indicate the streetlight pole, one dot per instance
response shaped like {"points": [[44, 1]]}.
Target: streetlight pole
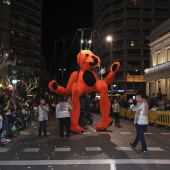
{"points": [[110, 39], [62, 73]]}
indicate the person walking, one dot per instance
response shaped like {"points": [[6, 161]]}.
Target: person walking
{"points": [[43, 111], [63, 114], [116, 111], [140, 120]]}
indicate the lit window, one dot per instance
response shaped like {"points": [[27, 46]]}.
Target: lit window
{"points": [[12, 33], [8, 2], [134, 2], [132, 43], [21, 35]]}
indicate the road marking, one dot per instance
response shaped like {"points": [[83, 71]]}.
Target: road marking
{"points": [[111, 162], [93, 148], [105, 133], [165, 133], [147, 133], [36, 133], [31, 149], [92, 129], [125, 133], [62, 149], [123, 148], [4, 149], [154, 149], [130, 149], [86, 133], [86, 148]]}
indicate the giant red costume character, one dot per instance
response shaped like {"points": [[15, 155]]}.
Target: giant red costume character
{"points": [[85, 81]]}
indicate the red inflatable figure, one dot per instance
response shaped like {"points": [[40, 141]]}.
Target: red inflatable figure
{"points": [[85, 81]]}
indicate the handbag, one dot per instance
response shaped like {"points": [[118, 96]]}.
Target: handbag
{"points": [[13, 128]]}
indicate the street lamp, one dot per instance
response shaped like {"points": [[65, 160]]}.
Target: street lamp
{"points": [[14, 82], [62, 73], [110, 39], [134, 80]]}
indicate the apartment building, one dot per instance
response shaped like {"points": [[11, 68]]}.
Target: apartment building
{"points": [[128, 22], [20, 35]]}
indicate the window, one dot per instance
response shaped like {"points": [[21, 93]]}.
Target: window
{"points": [[134, 2], [132, 43], [158, 58], [135, 43], [8, 2], [168, 54]]}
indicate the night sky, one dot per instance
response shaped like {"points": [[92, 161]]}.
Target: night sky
{"points": [[61, 23]]}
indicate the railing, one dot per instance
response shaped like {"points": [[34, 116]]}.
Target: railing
{"points": [[156, 117]]}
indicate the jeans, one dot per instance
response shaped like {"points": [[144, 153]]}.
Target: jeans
{"points": [[116, 115], [42, 127], [65, 122], [140, 129]]}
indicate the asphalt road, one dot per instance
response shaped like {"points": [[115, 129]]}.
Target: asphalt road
{"points": [[91, 150]]}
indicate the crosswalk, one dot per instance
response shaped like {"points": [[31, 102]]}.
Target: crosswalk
{"points": [[87, 149], [72, 157]]}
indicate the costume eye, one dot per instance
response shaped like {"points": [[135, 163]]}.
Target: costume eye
{"points": [[86, 55]]}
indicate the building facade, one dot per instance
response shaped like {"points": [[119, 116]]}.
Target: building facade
{"points": [[129, 22], [157, 76], [20, 35]]}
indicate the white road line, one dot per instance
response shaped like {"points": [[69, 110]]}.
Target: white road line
{"points": [[31, 149], [123, 148], [4, 149], [62, 149], [105, 133], [93, 148], [92, 129], [154, 149], [125, 133], [86, 133], [147, 133], [165, 133], [119, 148], [112, 162]]}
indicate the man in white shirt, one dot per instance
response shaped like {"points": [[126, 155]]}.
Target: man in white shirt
{"points": [[140, 120], [63, 114], [43, 111]]}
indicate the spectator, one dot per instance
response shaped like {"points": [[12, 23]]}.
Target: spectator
{"points": [[63, 114], [43, 117], [116, 111]]}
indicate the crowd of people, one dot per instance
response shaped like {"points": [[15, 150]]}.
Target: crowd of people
{"points": [[16, 114]]}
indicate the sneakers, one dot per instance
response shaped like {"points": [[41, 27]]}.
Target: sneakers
{"points": [[143, 150], [132, 146], [7, 140]]}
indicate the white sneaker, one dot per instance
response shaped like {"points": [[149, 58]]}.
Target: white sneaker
{"points": [[7, 140]]}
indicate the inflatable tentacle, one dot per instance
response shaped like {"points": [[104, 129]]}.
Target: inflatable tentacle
{"points": [[113, 69]]}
